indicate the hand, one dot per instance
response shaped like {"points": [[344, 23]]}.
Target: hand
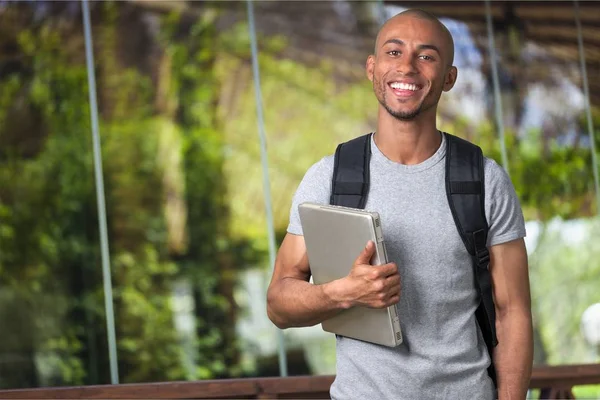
{"points": [[374, 286]]}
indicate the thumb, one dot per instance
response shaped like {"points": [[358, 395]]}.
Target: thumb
{"points": [[365, 256]]}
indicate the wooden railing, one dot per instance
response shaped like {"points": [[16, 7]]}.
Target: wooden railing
{"points": [[554, 382]]}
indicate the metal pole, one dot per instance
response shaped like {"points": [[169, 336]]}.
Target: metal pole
{"points": [[106, 276], [496, 81], [588, 107], [265, 169]]}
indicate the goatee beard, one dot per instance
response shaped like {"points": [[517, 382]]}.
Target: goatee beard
{"points": [[399, 115], [402, 115]]}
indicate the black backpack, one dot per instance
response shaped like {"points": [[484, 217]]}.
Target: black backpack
{"points": [[465, 191]]}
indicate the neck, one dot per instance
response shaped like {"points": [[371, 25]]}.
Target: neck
{"points": [[407, 142]]}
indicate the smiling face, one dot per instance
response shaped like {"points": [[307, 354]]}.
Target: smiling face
{"points": [[412, 65]]}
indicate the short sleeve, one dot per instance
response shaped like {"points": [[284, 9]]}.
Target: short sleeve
{"points": [[315, 187], [503, 210]]}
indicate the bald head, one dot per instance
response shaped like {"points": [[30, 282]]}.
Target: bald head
{"points": [[423, 15]]}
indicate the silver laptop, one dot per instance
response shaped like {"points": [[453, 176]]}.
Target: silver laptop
{"points": [[334, 237]]}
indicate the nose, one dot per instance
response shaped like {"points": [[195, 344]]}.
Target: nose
{"points": [[406, 65]]}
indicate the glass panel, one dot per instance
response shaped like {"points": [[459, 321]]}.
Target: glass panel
{"points": [[545, 135], [184, 190], [51, 304], [161, 69], [554, 176], [164, 70], [315, 95], [548, 150]]}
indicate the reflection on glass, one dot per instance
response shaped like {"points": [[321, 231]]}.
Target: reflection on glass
{"points": [[548, 151], [50, 311], [314, 103], [174, 261], [184, 194]]}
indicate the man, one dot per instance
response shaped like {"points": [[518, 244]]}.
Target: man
{"points": [[431, 278]]}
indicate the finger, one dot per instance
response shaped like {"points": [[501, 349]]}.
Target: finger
{"points": [[395, 299], [394, 291], [393, 281], [389, 301], [365, 256], [387, 270]]}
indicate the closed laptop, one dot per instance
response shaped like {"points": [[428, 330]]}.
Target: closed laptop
{"points": [[334, 238]]}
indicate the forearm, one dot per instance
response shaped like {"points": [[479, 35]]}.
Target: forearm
{"points": [[513, 356], [297, 303]]}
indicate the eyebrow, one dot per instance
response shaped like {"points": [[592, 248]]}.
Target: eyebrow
{"points": [[420, 47]]}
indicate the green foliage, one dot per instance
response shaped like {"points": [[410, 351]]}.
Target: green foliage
{"points": [[557, 182], [43, 210], [184, 194], [146, 344], [164, 196], [213, 256], [565, 272], [305, 115], [587, 392]]}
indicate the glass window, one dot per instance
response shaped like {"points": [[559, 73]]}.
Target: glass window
{"points": [[165, 72], [51, 305], [183, 174]]}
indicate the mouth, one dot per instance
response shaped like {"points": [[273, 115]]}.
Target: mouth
{"points": [[404, 89]]}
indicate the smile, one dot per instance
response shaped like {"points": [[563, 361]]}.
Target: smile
{"points": [[403, 89], [405, 86]]}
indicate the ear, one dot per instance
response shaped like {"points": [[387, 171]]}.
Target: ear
{"points": [[450, 80], [370, 67]]}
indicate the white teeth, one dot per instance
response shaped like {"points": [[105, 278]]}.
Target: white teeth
{"points": [[403, 86]]}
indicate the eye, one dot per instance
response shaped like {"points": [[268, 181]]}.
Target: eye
{"points": [[426, 57], [393, 53]]}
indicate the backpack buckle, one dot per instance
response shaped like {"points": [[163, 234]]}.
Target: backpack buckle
{"points": [[483, 258], [482, 254]]}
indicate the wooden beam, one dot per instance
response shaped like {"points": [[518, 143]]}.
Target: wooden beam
{"points": [[539, 10], [549, 32], [297, 387], [535, 29], [459, 10], [559, 49], [230, 388], [550, 12], [551, 379], [565, 375]]}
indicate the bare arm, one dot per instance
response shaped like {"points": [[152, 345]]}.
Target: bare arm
{"points": [[293, 302], [513, 356], [291, 295]]}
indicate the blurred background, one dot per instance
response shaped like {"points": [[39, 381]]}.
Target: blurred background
{"points": [[190, 226]]}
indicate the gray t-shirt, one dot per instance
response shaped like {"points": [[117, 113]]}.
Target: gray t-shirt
{"points": [[443, 355]]}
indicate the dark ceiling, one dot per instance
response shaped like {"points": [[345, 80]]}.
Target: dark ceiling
{"points": [[549, 24], [318, 29]]}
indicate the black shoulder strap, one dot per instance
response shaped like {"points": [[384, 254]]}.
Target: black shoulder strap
{"points": [[465, 191], [350, 184]]}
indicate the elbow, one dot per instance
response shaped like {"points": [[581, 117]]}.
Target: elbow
{"points": [[278, 322], [507, 312], [274, 316], [511, 318]]}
